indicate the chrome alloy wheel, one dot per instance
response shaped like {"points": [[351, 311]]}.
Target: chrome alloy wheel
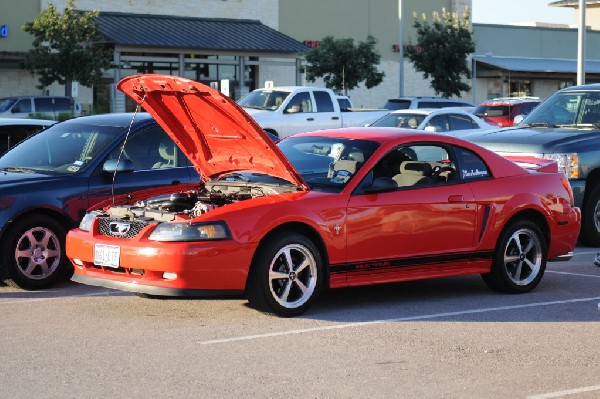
{"points": [[523, 257], [38, 253], [292, 276]]}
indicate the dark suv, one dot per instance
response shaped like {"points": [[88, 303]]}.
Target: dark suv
{"points": [[502, 111], [49, 181]]}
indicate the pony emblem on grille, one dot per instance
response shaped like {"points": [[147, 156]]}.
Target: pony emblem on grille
{"points": [[119, 228]]}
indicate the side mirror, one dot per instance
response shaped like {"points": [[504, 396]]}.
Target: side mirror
{"points": [[111, 166], [430, 129], [518, 119], [381, 185]]}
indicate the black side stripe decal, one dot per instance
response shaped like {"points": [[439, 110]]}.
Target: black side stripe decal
{"points": [[384, 264], [484, 221]]}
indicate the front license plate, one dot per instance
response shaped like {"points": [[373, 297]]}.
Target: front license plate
{"points": [[107, 255]]}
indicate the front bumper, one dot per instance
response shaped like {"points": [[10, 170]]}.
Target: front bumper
{"points": [[163, 268]]}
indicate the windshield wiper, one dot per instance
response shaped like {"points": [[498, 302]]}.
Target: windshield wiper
{"points": [[17, 170], [584, 125], [538, 124]]}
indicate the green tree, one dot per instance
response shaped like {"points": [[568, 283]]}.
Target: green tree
{"points": [[441, 51], [63, 47], [344, 65]]}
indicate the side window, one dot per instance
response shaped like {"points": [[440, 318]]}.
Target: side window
{"points": [[151, 149], [439, 123], [23, 105], [430, 104], [11, 135], [301, 102], [323, 100], [472, 166], [417, 165], [44, 104], [461, 122]]}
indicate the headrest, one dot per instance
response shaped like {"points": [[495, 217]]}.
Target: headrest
{"points": [[416, 168], [165, 152], [356, 156], [346, 164]]}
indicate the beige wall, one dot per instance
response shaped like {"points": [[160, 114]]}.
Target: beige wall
{"points": [[15, 17]]}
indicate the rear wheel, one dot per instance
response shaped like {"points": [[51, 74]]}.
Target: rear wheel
{"points": [[33, 253], [519, 260], [286, 275]]}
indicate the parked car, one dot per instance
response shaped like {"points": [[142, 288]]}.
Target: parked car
{"points": [[335, 208], [14, 130], [424, 102], [294, 109], [48, 181], [452, 121], [503, 111], [54, 107], [566, 128]]}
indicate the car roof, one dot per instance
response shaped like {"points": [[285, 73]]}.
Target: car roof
{"points": [[115, 119], [511, 100], [591, 86], [25, 121]]}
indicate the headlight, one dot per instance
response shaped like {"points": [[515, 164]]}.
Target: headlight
{"points": [[567, 163], [86, 222], [190, 232]]}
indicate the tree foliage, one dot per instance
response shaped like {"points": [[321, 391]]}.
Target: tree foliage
{"points": [[441, 51], [344, 65], [63, 47]]}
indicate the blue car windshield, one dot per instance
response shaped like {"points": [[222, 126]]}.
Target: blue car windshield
{"points": [[64, 148], [6, 103], [327, 163]]}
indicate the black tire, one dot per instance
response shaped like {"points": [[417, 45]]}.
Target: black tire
{"points": [[519, 259], [33, 253], [590, 223], [276, 286]]}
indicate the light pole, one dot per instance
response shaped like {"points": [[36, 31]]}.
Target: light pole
{"points": [[581, 44], [400, 51]]}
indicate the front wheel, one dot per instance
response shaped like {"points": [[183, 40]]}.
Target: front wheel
{"points": [[33, 253], [286, 276], [590, 223], [519, 260]]}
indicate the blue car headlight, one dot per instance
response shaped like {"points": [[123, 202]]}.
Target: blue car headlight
{"points": [[210, 231]]}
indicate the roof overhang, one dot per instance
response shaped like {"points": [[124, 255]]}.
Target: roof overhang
{"points": [[537, 65]]}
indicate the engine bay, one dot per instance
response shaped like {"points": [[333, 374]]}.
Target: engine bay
{"points": [[187, 205]]}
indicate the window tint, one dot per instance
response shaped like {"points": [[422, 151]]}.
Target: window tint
{"points": [[52, 104], [23, 105], [344, 104], [471, 166], [439, 123], [430, 104], [492, 110], [397, 104], [323, 100], [461, 122], [151, 149], [301, 102]]}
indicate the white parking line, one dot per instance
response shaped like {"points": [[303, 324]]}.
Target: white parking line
{"points": [[411, 318], [565, 393], [105, 293], [574, 274]]}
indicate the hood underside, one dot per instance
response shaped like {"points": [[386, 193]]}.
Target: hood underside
{"points": [[216, 134]]}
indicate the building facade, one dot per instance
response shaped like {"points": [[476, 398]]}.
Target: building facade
{"points": [[262, 41]]}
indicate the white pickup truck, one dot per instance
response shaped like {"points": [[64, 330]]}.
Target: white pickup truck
{"points": [[294, 109]]}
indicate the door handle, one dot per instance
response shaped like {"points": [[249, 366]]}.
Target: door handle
{"points": [[335, 118], [310, 119], [456, 198]]}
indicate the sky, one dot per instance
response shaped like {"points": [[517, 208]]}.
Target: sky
{"points": [[514, 11]]}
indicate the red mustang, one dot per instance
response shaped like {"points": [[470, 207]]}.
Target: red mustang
{"points": [[338, 208]]}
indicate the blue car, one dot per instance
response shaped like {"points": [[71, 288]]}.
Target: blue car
{"points": [[49, 180]]}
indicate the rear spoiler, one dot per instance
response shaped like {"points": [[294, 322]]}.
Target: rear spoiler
{"points": [[533, 163]]}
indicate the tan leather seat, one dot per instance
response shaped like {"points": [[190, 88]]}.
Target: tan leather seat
{"points": [[413, 173]]}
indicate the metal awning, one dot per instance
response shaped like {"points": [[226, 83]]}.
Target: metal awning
{"points": [[162, 31], [541, 65]]}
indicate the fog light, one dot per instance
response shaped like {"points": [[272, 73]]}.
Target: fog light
{"points": [[78, 262], [169, 275]]}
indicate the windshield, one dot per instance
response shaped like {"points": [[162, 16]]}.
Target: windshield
{"points": [[6, 103], [409, 121], [264, 99], [327, 163], [567, 109], [64, 148]]}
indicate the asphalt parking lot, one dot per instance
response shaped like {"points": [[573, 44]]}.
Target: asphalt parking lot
{"points": [[450, 338]]}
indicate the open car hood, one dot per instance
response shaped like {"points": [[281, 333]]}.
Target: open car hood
{"points": [[215, 133]]}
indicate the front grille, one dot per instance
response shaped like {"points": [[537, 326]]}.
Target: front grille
{"points": [[119, 228]]}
